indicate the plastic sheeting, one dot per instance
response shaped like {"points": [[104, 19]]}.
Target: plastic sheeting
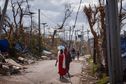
{"points": [[4, 45]]}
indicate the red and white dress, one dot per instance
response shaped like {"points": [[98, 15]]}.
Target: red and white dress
{"points": [[61, 64]]}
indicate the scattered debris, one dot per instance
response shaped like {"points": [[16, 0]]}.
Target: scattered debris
{"points": [[49, 57], [45, 57], [12, 62], [86, 77], [9, 66], [47, 52], [25, 61], [30, 61]]}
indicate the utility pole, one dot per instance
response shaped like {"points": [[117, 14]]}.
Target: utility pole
{"points": [[44, 25], [39, 31], [82, 40], [70, 37], [75, 40], [113, 42], [88, 37], [64, 34], [31, 15], [30, 39], [0, 11], [3, 14]]}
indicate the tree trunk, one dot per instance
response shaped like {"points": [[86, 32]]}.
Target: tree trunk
{"points": [[105, 54], [94, 53], [3, 14], [98, 57]]}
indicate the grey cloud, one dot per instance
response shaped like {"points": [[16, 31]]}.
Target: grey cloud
{"points": [[54, 6], [54, 10]]}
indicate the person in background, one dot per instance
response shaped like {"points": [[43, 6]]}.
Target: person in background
{"points": [[61, 64], [68, 60], [78, 54], [73, 53]]}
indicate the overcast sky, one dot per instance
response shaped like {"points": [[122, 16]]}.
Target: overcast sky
{"points": [[52, 11]]}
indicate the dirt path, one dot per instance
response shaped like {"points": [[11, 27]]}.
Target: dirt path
{"points": [[44, 72]]}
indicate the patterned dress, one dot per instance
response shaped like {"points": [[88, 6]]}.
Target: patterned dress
{"points": [[61, 68]]}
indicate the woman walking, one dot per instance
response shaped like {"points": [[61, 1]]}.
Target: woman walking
{"points": [[78, 54], [61, 64], [68, 60]]}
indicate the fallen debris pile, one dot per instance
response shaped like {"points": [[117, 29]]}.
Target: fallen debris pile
{"points": [[25, 61], [9, 66], [14, 63], [47, 55]]}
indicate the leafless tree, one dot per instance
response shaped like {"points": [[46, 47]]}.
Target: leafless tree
{"points": [[122, 14], [18, 12], [96, 15], [20, 8], [67, 14], [92, 19]]}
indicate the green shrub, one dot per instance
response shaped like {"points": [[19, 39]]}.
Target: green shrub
{"points": [[103, 80]]}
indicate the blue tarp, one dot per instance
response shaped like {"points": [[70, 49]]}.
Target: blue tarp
{"points": [[4, 45]]}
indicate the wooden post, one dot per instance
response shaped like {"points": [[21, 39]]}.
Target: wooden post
{"points": [[113, 42], [39, 32], [3, 14], [44, 25], [70, 37]]}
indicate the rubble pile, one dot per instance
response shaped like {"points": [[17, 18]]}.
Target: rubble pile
{"points": [[14, 63], [22, 60], [48, 55], [9, 67]]}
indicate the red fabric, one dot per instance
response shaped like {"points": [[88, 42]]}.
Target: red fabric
{"points": [[68, 59], [66, 55], [61, 71]]}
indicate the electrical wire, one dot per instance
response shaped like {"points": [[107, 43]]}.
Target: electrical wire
{"points": [[76, 18], [77, 14], [48, 18]]}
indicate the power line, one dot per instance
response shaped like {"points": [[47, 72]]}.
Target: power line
{"points": [[48, 18], [76, 18], [77, 14]]}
